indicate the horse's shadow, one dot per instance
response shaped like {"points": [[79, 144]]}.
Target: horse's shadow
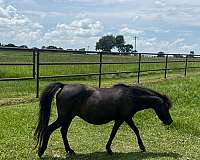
{"points": [[118, 156]]}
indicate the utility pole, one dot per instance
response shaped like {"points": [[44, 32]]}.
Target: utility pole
{"points": [[135, 38]]}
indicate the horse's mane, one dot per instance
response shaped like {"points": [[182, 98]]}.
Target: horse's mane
{"points": [[167, 100], [164, 97]]}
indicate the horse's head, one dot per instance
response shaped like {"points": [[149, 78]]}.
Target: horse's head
{"points": [[162, 110]]}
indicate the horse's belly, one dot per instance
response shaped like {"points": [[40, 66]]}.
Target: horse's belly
{"points": [[97, 117], [96, 121]]}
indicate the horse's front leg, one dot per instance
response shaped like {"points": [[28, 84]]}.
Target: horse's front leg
{"points": [[112, 135], [135, 129]]}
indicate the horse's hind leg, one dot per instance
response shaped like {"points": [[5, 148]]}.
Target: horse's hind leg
{"points": [[135, 129], [64, 130], [112, 135], [46, 136]]}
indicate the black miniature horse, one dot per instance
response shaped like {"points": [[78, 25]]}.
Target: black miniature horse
{"points": [[97, 106]]}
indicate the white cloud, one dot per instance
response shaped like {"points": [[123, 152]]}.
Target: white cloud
{"points": [[97, 1], [177, 42], [160, 3], [8, 11], [17, 28], [159, 24], [179, 12], [130, 32], [189, 47], [78, 30], [154, 44]]}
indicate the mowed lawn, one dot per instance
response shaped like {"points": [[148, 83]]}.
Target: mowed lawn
{"points": [[181, 140]]}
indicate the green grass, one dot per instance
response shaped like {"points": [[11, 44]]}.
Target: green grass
{"points": [[181, 140], [27, 71], [12, 92], [18, 110]]}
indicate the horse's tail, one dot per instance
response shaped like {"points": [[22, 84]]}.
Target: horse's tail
{"points": [[45, 110]]}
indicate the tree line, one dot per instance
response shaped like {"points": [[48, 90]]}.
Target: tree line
{"points": [[105, 43], [26, 47], [13, 45]]}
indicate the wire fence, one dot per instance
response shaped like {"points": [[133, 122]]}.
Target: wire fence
{"points": [[37, 64]]}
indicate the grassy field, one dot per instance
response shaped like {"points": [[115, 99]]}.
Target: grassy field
{"points": [[18, 110], [181, 140], [22, 90], [26, 57]]}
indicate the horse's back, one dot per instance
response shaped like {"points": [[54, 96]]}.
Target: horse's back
{"points": [[70, 98], [106, 104], [71, 90]]}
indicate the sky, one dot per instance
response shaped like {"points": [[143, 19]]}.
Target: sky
{"points": [[171, 26]]}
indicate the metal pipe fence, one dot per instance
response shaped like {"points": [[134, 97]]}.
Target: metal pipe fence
{"points": [[141, 61]]}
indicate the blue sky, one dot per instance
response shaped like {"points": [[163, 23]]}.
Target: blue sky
{"points": [[160, 25]]}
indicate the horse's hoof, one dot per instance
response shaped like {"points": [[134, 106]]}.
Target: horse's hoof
{"points": [[109, 151], [142, 149], [40, 153], [71, 152]]}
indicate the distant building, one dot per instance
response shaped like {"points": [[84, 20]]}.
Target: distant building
{"points": [[161, 54], [69, 49]]}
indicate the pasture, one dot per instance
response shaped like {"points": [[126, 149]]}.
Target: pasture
{"points": [[149, 65], [18, 110], [179, 141], [151, 68]]}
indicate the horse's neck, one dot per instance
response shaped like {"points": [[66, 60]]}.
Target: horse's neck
{"points": [[146, 102], [140, 108]]}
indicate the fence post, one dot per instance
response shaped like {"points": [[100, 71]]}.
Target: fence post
{"points": [[186, 62], [34, 72], [139, 67], [100, 69], [166, 65], [37, 72]]}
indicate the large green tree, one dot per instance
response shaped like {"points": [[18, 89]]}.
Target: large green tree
{"points": [[106, 43], [120, 43]]}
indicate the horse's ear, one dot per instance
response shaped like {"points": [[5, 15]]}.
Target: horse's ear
{"points": [[167, 100]]}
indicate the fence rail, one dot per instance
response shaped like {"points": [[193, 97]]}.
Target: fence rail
{"points": [[36, 64]]}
